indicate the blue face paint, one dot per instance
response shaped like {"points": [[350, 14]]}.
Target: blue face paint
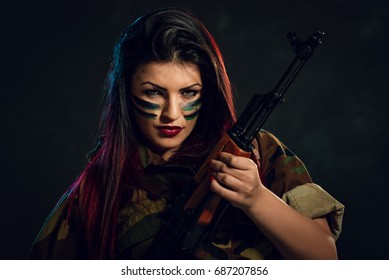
{"points": [[194, 105], [145, 106], [141, 105], [192, 116]]}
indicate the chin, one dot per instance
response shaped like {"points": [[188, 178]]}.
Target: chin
{"points": [[167, 145]]}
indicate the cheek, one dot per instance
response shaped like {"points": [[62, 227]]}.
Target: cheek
{"points": [[144, 124], [190, 124]]}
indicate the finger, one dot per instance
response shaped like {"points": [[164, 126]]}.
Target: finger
{"points": [[222, 170], [237, 162], [228, 181], [223, 192], [217, 165]]}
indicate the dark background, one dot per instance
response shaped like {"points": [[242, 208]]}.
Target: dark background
{"points": [[54, 56]]}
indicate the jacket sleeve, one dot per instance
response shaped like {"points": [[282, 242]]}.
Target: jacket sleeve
{"points": [[60, 237], [286, 175]]}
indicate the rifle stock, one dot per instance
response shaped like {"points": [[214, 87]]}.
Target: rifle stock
{"points": [[185, 229]]}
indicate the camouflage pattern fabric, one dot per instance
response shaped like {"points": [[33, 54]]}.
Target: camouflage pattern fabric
{"points": [[233, 237]]}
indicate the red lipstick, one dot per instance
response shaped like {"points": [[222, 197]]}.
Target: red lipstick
{"points": [[170, 131]]}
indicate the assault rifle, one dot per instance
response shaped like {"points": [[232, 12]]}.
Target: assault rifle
{"points": [[195, 210]]}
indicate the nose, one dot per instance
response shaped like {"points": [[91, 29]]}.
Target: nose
{"points": [[171, 111]]}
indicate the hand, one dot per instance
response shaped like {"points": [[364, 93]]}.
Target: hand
{"points": [[235, 179]]}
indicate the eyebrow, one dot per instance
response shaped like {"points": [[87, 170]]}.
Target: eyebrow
{"points": [[164, 89]]}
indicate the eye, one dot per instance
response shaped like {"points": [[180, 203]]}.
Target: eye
{"points": [[152, 92], [189, 93]]}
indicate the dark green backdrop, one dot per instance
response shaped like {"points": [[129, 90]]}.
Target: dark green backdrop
{"points": [[54, 56]]}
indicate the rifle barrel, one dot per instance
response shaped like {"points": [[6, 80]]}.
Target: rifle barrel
{"points": [[261, 106]]}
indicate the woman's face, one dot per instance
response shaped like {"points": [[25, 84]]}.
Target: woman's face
{"points": [[166, 98]]}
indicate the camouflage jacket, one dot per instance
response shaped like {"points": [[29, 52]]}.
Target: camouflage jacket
{"points": [[234, 236]]}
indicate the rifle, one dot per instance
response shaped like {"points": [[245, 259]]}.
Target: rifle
{"points": [[195, 210]]}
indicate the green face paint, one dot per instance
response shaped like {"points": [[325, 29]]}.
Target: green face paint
{"points": [[145, 114], [192, 105], [192, 116], [146, 106]]}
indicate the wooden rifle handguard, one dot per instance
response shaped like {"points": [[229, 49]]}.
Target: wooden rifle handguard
{"points": [[203, 177]]}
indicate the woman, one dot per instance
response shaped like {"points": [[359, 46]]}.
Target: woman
{"points": [[169, 100]]}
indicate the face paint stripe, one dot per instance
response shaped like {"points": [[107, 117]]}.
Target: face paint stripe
{"points": [[145, 104], [145, 114], [192, 116], [192, 105]]}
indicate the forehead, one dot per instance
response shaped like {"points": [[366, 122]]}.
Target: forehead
{"points": [[167, 74]]}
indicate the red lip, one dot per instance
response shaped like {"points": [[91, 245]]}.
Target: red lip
{"points": [[170, 131]]}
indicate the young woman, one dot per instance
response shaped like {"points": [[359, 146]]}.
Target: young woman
{"points": [[168, 101]]}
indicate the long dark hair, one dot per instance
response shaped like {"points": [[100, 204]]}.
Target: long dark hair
{"points": [[170, 34]]}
